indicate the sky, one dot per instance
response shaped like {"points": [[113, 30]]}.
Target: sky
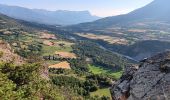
{"points": [[100, 8]]}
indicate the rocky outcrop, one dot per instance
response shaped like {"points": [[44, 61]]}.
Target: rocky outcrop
{"points": [[150, 82], [8, 54]]}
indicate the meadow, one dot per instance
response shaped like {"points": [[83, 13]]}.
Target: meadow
{"points": [[101, 70]]}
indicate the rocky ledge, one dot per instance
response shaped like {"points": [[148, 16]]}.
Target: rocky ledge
{"points": [[151, 81]]}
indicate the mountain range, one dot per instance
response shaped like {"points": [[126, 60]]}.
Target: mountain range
{"points": [[155, 11], [59, 17], [158, 10]]}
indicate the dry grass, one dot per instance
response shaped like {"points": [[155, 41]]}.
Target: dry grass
{"points": [[109, 39], [46, 35], [137, 30], [62, 65], [66, 55], [7, 32], [48, 43]]}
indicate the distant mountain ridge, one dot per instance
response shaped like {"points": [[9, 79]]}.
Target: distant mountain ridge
{"points": [[59, 17], [158, 10]]}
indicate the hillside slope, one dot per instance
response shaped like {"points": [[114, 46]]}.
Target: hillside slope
{"points": [[23, 71], [158, 10], [7, 54], [141, 49]]}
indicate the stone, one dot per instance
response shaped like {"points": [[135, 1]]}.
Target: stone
{"points": [[150, 82]]}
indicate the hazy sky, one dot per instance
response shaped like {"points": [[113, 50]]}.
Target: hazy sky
{"points": [[96, 7]]}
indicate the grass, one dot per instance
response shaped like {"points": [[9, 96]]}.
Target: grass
{"points": [[117, 75], [52, 62], [101, 70], [50, 50], [101, 92]]}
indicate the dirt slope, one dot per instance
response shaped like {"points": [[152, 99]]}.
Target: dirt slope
{"points": [[8, 54]]}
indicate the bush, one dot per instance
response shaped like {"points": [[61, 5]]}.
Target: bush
{"points": [[60, 71], [102, 80], [79, 86], [1, 54]]}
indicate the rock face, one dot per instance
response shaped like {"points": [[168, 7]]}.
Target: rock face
{"points": [[150, 82]]}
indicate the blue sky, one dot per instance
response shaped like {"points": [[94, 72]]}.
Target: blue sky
{"points": [[101, 8]]}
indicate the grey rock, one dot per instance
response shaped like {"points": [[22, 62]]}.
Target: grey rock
{"points": [[121, 87], [150, 82]]}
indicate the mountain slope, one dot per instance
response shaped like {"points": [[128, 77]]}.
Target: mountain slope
{"points": [[7, 55], [140, 49], [60, 17], [157, 10]]}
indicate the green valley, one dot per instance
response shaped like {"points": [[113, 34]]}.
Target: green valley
{"points": [[62, 63]]}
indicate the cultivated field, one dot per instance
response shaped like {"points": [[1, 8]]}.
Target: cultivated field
{"points": [[61, 65], [55, 45], [66, 55], [109, 39], [102, 92], [48, 43], [46, 35], [102, 70]]}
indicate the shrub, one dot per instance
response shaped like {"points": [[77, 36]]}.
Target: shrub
{"points": [[1, 54]]}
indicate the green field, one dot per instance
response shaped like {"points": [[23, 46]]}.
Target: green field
{"points": [[101, 92], [101, 70], [50, 50]]}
